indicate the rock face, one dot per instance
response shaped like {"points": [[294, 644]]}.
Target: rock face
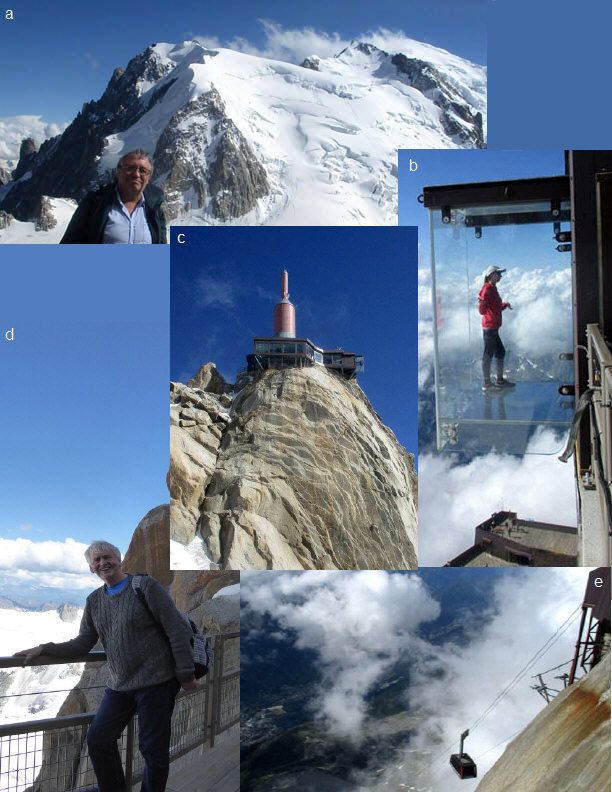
{"points": [[566, 748], [148, 550], [66, 166], [27, 157], [45, 220], [209, 379], [197, 422], [458, 119], [68, 612], [301, 474], [203, 155]]}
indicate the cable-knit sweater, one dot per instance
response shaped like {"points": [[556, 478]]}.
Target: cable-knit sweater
{"points": [[138, 654]]}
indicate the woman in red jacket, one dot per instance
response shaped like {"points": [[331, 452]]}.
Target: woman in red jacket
{"points": [[490, 306]]}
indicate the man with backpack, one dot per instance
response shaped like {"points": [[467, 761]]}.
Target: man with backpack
{"points": [[148, 644]]}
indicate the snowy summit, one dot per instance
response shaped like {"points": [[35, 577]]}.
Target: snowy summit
{"points": [[243, 139]]}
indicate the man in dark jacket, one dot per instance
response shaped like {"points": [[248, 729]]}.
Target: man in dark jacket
{"points": [[123, 212], [149, 656]]}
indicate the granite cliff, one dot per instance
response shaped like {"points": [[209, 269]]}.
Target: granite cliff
{"points": [[566, 747], [296, 471]]}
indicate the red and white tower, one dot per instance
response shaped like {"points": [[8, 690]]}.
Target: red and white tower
{"points": [[284, 312]]}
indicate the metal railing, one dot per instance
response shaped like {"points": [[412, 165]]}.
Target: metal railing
{"points": [[600, 379], [51, 755]]}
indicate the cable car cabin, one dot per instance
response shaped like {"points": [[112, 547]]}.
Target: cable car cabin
{"points": [[517, 397], [464, 765]]}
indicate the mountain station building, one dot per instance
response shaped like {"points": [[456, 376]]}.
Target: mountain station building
{"points": [[285, 350]]}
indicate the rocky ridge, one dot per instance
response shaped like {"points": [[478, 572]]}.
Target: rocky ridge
{"points": [[566, 747], [226, 172], [296, 472]]}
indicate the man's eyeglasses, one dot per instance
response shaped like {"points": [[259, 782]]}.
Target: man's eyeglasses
{"points": [[135, 169]]}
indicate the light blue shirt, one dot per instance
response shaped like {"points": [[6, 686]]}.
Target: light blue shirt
{"points": [[124, 229]]}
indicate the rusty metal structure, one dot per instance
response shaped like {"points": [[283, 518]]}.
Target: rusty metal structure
{"points": [[504, 537], [594, 631]]}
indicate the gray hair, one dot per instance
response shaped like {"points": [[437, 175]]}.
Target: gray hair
{"points": [[101, 546], [140, 153]]}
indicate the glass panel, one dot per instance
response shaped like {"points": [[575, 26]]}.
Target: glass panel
{"points": [[318, 357], [535, 334]]}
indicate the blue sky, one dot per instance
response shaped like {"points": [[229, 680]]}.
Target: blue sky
{"points": [[73, 47], [83, 396], [352, 287]]}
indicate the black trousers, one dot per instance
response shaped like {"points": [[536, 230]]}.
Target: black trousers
{"points": [[154, 706], [493, 348]]}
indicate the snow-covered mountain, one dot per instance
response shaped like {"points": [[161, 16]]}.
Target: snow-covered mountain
{"points": [[20, 629], [243, 139], [24, 692]]}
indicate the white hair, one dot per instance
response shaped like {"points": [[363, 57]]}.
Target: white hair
{"points": [[100, 546]]}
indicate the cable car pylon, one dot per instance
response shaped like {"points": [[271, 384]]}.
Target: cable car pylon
{"points": [[463, 763]]}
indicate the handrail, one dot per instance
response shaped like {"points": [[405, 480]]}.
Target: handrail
{"points": [[17, 662], [11, 661]]}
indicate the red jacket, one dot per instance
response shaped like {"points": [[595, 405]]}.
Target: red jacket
{"points": [[490, 306]]}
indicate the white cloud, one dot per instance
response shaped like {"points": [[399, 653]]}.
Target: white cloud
{"points": [[13, 129], [213, 291], [539, 322], [211, 42], [454, 499], [291, 44], [294, 44], [357, 622], [24, 554], [453, 685], [361, 623], [25, 579], [26, 565], [425, 328], [93, 62]]}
